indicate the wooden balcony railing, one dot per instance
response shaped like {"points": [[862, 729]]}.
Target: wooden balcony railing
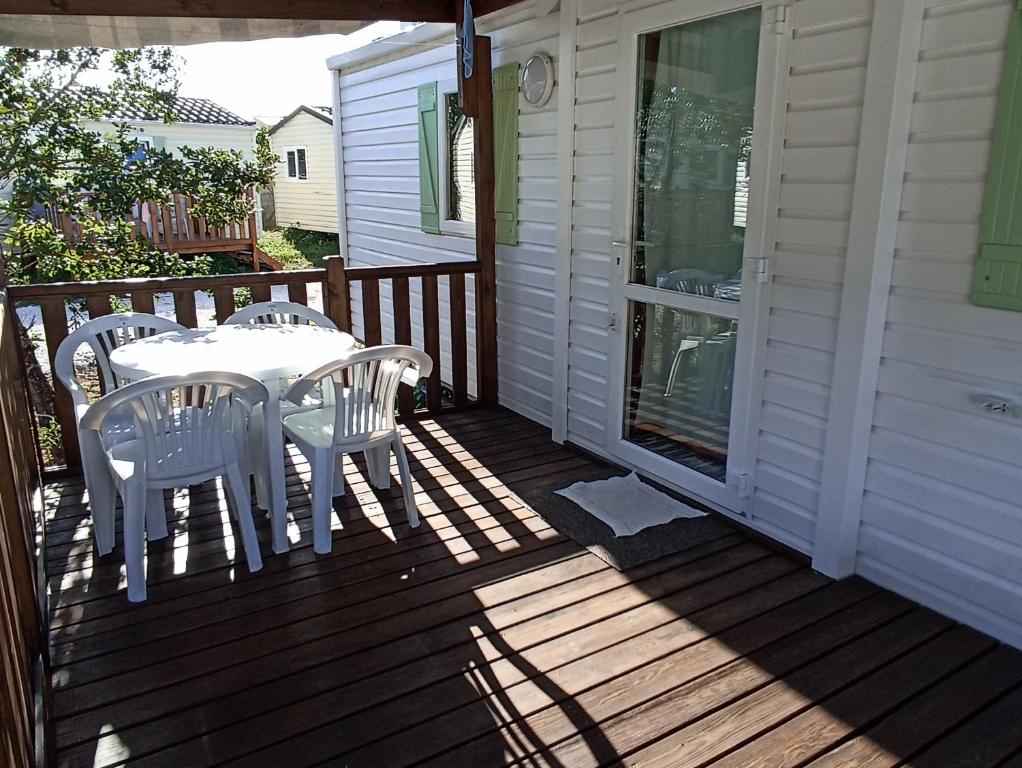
{"points": [[173, 227], [100, 298], [23, 648]]}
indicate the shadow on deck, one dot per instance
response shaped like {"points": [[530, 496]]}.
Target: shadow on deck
{"points": [[486, 638]]}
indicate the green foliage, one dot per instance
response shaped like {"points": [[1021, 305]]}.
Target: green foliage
{"points": [[314, 246], [48, 432], [49, 160], [276, 245]]}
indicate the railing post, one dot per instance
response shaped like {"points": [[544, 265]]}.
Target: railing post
{"points": [[486, 280], [338, 300]]}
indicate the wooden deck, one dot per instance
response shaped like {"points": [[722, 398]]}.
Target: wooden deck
{"points": [[485, 638]]}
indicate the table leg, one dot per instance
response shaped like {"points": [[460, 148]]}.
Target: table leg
{"points": [[274, 438]]}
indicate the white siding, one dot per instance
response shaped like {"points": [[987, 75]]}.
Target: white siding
{"points": [[941, 512], [824, 92], [380, 150], [311, 203], [941, 518], [174, 135]]}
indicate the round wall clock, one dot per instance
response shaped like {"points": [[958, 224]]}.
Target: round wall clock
{"points": [[538, 79]]}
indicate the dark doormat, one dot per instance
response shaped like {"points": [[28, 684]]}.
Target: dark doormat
{"points": [[598, 537]]}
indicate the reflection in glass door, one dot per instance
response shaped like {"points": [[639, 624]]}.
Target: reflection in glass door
{"points": [[695, 95]]}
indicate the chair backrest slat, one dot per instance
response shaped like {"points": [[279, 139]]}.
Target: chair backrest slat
{"points": [[103, 335], [365, 387], [280, 313], [184, 422]]}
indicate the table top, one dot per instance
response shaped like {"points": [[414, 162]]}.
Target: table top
{"points": [[264, 352]]}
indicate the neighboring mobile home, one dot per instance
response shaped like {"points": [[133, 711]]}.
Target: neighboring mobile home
{"points": [[736, 251], [305, 189], [199, 123]]}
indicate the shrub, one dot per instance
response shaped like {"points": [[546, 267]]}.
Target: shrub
{"points": [[276, 245], [313, 245]]}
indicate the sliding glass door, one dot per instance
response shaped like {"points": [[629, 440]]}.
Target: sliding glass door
{"points": [[682, 278]]}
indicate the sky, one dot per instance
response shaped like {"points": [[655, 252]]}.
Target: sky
{"points": [[268, 78]]}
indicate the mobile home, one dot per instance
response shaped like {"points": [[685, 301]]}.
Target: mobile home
{"points": [[742, 260]]}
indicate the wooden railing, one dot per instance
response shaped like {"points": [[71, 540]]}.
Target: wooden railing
{"points": [[23, 648], [174, 228], [100, 298]]}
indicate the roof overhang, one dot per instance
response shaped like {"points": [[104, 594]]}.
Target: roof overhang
{"points": [[302, 110], [121, 23], [420, 38]]}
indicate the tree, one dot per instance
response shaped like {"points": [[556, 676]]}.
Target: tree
{"points": [[48, 158]]}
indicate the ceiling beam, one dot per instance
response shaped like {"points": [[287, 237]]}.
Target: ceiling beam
{"points": [[320, 10], [483, 7]]}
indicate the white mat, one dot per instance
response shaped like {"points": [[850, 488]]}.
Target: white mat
{"points": [[627, 504]]}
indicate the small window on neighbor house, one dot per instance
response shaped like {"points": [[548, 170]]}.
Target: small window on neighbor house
{"points": [[297, 164], [142, 146], [460, 155]]}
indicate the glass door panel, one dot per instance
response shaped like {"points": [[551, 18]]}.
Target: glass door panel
{"points": [[681, 368], [694, 113]]}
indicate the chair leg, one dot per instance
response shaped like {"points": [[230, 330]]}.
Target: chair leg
{"points": [[155, 515], [378, 463], [242, 507], [256, 461], [134, 497], [338, 475], [322, 497], [102, 492], [406, 482]]}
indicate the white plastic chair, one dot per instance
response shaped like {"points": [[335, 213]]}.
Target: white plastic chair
{"points": [[187, 430], [102, 336], [361, 418], [280, 313]]}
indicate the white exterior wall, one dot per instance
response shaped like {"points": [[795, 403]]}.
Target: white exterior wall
{"points": [[312, 203], [174, 135], [381, 180], [942, 511], [941, 505], [824, 94]]}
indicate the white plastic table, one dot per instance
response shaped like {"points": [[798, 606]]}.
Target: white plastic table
{"points": [[264, 352]]}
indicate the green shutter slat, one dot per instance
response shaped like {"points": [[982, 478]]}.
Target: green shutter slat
{"points": [[429, 173], [505, 153], [996, 281]]}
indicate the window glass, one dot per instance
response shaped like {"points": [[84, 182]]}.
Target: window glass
{"points": [[461, 197], [291, 165], [303, 168], [696, 95]]}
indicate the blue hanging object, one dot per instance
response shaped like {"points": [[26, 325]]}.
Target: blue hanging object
{"points": [[468, 37]]}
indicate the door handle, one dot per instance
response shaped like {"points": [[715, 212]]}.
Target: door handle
{"points": [[621, 244]]}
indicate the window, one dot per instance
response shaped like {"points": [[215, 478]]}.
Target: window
{"points": [[142, 146], [457, 170], [297, 163]]}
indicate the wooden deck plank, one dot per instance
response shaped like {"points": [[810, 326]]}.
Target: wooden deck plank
{"points": [[561, 582], [205, 505], [433, 484], [485, 638], [694, 646], [570, 663], [987, 739], [739, 689], [833, 719], [425, 686], [928, 716]]}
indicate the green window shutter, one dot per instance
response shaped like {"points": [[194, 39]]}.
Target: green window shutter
{"points": [[505, 152], [997, 281], [429, 174], [159, 142]]}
